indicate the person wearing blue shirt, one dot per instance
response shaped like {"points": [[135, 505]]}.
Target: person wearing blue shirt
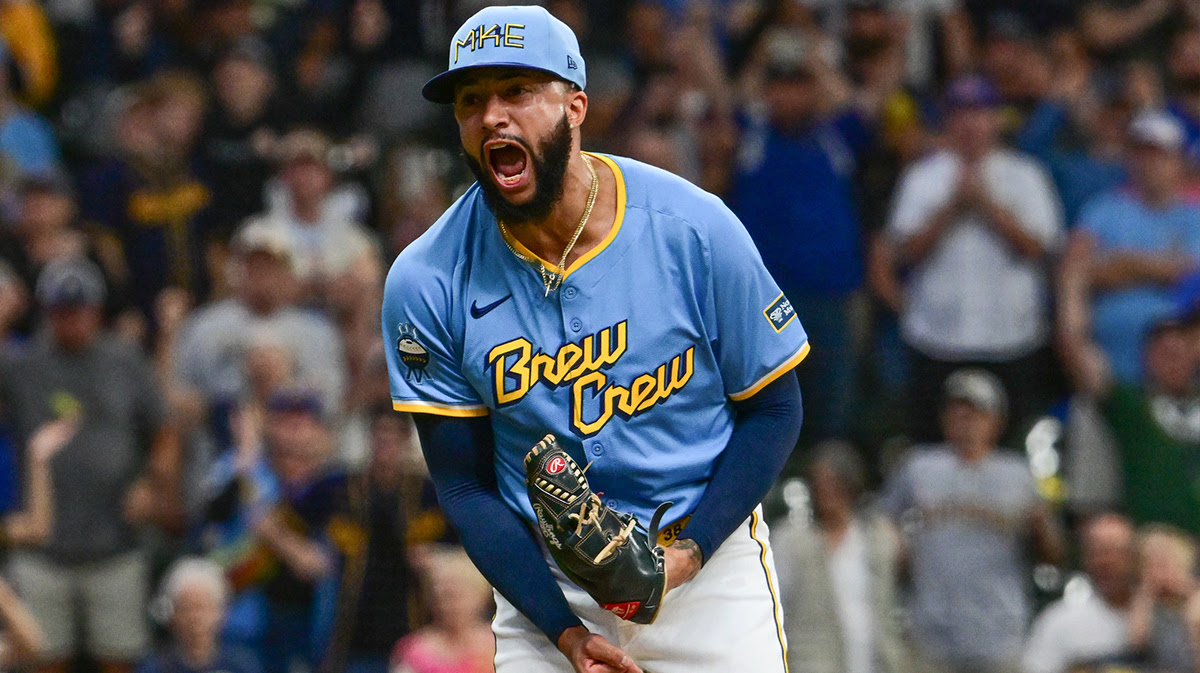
{"points": [[1134, 244], [623, 310], [794, 190], [26, 139]]}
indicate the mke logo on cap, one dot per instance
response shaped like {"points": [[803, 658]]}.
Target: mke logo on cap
{"points": [[511, 35]]}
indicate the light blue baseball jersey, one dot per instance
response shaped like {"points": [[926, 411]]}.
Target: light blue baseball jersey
{"points": [[632, 363]]}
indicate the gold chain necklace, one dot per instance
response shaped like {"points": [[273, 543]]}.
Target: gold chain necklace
{"points": [[553, 280]]}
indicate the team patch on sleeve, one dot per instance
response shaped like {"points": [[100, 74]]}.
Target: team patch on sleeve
{"points": [[413, 355], [780, 313]]}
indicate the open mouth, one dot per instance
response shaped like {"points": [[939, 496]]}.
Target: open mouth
{"points": [[509, 163]]}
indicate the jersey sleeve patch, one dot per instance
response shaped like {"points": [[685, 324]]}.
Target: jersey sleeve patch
{"points": [[413, 356], [779, 313]]}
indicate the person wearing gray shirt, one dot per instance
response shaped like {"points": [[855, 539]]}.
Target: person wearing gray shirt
{"points": [[115, 473], [966, 511]]}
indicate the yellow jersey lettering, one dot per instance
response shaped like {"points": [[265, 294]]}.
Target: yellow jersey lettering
{"points": [[468, 41], [512, 38], [518, 371], [595, 381], [492, 34]]}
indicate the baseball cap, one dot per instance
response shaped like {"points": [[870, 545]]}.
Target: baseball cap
{"points": [[68, 283], [979, 388], [971, 91], [298, 400], [512, 37], [1158, 129], [261, 236]]}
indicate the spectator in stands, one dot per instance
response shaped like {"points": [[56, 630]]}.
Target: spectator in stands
{"points": [[1078, 131], [148, 205], [794, 190], [972, 226], [335, 255], [314, 536], [1131, 247], [1090, 624], [1184, 88], [213, 343], [193, 598], [458, 640], [120, 469], [1156, 426], [384, 592], [26, 140], [242, 129], [1161, 630], [22, 641], [969, 510], [837, 575]]}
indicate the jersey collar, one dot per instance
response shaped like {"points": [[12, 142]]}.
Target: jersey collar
{"points": [[612, 232]]}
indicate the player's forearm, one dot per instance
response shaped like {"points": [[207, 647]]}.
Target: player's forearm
{"points": [[458, 451], [764, 434]]}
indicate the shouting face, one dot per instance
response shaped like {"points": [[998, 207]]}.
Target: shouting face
{"points": [[516, 128]]}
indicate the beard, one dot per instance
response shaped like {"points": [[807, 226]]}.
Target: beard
{"points": [[549, 170]]}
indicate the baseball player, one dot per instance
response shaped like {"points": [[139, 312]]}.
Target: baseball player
{"points": [[626, 312]]}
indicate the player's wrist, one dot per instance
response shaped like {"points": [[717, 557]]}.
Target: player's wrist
{"points": [[568, 641]]}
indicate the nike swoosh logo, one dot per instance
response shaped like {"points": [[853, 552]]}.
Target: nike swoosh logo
{"points": [[478, 311]]}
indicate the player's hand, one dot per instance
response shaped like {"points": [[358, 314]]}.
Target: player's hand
{"points": [[683, 561], [591, 653]]}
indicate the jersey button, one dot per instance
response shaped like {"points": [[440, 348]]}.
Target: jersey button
{"points": [[597, 449], [569, 292], [576, 324]]}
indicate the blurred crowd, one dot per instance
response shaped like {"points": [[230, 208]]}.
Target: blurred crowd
{"points": [[985, 212]]}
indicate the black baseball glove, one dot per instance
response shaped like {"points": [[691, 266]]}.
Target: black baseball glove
{"points": [[601, 550]]}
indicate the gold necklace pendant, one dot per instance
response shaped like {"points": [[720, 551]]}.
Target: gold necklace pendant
{"points": [[551, 280]]}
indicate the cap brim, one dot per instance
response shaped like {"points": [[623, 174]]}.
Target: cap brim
{"points": [[440, 89]]}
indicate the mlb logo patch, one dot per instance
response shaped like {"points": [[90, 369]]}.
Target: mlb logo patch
{"points": [[780, 313]]}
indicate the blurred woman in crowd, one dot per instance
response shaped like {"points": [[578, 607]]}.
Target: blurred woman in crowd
{"points": [[193, 599], [459, 639]]}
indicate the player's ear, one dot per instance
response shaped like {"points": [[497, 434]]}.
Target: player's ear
{"points": [[576, 105]]}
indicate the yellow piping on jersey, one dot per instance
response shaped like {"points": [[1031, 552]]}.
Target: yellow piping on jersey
{"points": [[787, 366], [612, 232], [436, 409], [771, 587]]}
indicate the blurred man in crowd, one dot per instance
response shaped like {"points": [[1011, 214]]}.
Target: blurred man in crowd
{"points": [[1156, 426], [120, 469], [794, 191], [148, 205], [967, 511], [837, 575], [321, 217], [1132, 246], [241, 132], [973, 225], [1162, 612], [193, 598], [213, 343], [1090, 625], [313, 535]]}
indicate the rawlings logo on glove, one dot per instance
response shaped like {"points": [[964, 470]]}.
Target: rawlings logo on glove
{"points": [[601, 550]]}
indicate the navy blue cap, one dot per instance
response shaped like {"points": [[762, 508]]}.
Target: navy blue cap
{"points": [[509, 37], [298, 400]]}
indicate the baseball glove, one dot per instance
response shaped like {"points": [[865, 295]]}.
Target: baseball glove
{"points": [[601, 550]]}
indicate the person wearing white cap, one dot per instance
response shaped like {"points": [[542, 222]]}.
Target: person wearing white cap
{"points": [[969, 511], [627, 313], [1130, 247]]}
